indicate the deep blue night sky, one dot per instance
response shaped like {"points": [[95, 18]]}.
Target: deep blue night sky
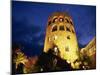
{"points": [[29, 21]]}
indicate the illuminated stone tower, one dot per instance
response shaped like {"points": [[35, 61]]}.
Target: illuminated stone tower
{"points": [[61, 37]]}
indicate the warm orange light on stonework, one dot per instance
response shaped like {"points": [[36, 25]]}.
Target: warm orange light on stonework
{"points": [[60, 32]]}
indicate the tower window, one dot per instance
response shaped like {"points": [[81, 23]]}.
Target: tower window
{"points": [[67, 20], [54, 28], [61, 19], [55, 20], [61, 28], [67, 29], [49, 22], [68, 37], [73, 31], [71, 23]]}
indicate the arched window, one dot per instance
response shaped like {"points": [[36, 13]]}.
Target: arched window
{"points": [[67, 20], [54, 28], [68, 29], [61, 19], [55, 20], [71, 23], [73, 31], [61, 28]]}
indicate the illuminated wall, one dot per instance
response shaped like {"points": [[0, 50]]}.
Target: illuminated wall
{"points": [[61, 37]]}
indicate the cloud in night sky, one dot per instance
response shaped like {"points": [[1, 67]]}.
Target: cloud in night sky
{"points": [[29, 21]]}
